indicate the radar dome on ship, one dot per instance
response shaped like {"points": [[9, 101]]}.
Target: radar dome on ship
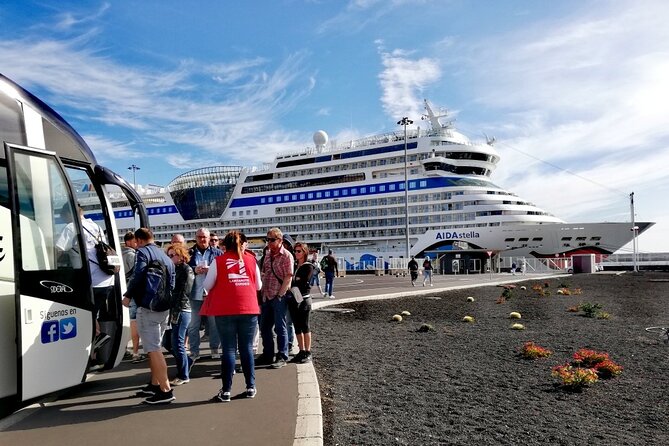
{"points": [[320, 138]]}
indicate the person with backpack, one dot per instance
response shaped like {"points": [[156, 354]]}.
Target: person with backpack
{"points": [[277, 274], [427, 270], [104, 306], [329, 267], [151, 288]]}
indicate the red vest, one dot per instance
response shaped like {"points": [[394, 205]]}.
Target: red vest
{"points": [[234, 292]]}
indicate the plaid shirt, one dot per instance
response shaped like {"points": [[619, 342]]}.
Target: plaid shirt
{"points": [[282, 264]]}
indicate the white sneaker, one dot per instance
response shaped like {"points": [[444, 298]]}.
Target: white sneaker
{"points": [[331, 296], [179, 381]]}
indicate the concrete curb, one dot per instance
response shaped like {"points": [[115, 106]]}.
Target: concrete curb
{"points": [[309, 425]]}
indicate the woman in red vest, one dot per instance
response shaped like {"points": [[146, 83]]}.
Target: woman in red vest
{"points": [[232, 282]]}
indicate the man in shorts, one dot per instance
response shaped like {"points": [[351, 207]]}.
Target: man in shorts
{"points": [[151, 324]]}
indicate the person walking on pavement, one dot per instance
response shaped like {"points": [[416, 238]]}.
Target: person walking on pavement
{"points": [[315, 279], [277, 273], [413, 270], [427, 270], [151, 324], [201, 256], [232, 285], [329, 267]]}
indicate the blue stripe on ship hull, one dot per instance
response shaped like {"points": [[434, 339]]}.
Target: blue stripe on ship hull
{"points": [[127, 213], [357, 191]]}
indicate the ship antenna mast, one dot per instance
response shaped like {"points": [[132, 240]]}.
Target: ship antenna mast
{"points": [[436, 124], [635, 231]]}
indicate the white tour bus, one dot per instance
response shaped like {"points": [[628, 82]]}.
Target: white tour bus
{"points": [[46, 300]]}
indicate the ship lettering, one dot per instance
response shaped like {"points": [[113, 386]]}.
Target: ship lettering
{"points": [[445, 235]]}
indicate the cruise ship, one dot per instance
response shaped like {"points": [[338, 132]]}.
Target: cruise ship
{"points": [[351, 198]]}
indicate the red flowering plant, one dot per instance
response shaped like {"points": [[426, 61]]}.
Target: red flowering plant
{"points": [[530, 350], [574, 378], [608, 369], [589, 358]]}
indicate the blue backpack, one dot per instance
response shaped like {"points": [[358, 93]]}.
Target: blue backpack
{"points": [[157, 291]]}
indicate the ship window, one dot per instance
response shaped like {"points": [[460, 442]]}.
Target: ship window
{"points": [[423, 184], [523, 239], [234, 213], [372, 189], [391, 187], [363, 190], [595, 238], [327, 194], [278, 199], [294, 197], [565, 239], [580, 239], [319, 194], [537, 239], [310, 195], [302, 196], [509, 239]]}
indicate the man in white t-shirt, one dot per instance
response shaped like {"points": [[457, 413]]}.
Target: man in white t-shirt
{"points": [[102, 283]]}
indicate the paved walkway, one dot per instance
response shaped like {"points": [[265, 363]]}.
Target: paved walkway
{"points": [[287, 410]]}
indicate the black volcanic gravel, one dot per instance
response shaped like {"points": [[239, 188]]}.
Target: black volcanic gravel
{"points": [[385, 383]]}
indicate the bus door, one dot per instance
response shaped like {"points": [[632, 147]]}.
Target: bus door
{"points": [[91, 192], [54, 303]]}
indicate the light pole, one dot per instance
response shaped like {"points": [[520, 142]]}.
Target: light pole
{"points": [[405, 122], [134, 168]]}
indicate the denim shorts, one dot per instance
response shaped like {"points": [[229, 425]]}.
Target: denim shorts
{"points": [[151, 326], [133, 310]]}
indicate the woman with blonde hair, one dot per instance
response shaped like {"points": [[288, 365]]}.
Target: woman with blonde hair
{"points": [[232, 284], [180, 311]]}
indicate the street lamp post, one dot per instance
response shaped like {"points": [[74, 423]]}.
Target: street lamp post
{"points": [[134, 168], [405, 122]]}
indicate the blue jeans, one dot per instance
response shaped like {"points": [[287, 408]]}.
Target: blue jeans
{"points": [[237, 332], [273, 314], [329, 282], [194, 329], [315, 280], [179, 344]]}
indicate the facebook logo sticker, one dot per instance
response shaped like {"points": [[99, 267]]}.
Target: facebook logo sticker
{"points": [[68, 328], [50, 331]]}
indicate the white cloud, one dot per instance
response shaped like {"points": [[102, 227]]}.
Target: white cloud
{"points": [[586, 93], [403, 80], [165, 105]]}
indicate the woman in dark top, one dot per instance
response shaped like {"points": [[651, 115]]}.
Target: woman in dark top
{"points": [[300, 305], [180, 312]]}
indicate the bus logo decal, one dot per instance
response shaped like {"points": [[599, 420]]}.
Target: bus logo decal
{"points": [[56, 287], [50, 332], [55, 330], [68, 328]]}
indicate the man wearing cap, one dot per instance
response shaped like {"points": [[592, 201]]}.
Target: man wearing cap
{"points": [[277, 274]]}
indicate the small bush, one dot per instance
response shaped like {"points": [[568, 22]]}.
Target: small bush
{"points": [[590, 309], [574, 378], [530, 350], [589, 358], [608, 369]]}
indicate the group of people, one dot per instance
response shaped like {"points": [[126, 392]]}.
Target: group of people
{"points": [[427, 270], [240, 296]]}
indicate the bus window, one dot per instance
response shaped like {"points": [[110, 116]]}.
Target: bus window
{"points": [[87, 197], [42, 194]]}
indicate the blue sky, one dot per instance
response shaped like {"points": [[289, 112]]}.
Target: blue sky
{"points": [[574, 91]]}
